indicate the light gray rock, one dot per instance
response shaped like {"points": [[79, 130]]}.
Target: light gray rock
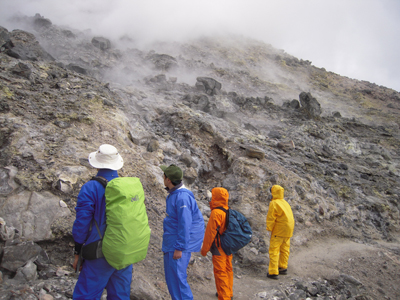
{"points": [[142, 289], [33, 213], [27, 273], [7, 183]]}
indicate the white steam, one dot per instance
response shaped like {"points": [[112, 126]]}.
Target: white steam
{"points": [[357, 38]]}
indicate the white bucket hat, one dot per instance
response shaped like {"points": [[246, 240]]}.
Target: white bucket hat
{"points": [[107, 157]]}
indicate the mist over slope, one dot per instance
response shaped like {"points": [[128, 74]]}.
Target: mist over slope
{"points": [[231, 111]]}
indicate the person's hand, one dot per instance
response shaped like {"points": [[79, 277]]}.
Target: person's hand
{"points": [[75, 263], [177, 254]]}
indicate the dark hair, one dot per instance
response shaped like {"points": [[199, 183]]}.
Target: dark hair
{"points": [[175, 183]]}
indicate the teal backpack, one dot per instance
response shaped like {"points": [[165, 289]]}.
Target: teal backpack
{"points": [[127, 234], [237, 234]]}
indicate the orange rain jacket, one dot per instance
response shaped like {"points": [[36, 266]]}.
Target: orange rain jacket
{"points": [[280, 216], [217, 219]]}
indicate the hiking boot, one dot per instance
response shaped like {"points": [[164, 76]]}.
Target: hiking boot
{"points": [[282, 271], [272, 276]]}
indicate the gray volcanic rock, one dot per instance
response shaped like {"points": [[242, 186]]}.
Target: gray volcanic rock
{"points": [[23, 45], [4, 37], [310, 105], [208, 85], [101, 43], [16, 256]]}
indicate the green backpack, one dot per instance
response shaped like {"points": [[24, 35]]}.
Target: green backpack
{"points": [[127, 234]]}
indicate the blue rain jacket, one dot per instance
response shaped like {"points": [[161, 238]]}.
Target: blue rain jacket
{"points": [[97, 274], [91, 205], [184, 224]]}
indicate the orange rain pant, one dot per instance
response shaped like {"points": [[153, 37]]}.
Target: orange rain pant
{"points": [[279, 250], [223, 274]]}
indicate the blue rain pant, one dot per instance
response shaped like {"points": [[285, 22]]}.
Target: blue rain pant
{"points": [[97, 275], [176, 276]]}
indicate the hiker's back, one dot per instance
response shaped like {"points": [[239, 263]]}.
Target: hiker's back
{"points": [[284, 223]]}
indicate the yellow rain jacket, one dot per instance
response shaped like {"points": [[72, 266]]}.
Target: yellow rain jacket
{"points": [[280, 219]]}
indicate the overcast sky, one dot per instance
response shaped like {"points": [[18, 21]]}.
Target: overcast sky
{"points": [[355, 38]]}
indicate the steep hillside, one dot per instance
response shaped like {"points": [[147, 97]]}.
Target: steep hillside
{"points": [[231, 112]]}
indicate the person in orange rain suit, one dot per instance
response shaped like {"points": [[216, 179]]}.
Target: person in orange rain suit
{"points": [[223, 272], [280, 222]]}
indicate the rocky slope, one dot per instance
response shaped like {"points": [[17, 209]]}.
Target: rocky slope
{"points": [[231, 112]]}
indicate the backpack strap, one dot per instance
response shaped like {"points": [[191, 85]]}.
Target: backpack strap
{"points": [[226, 223], [104, 183], [227, 215], [98, 230], [100, 179]]}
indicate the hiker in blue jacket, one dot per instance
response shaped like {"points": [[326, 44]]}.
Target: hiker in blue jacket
{"points": [[183, 233], [97, 275]]}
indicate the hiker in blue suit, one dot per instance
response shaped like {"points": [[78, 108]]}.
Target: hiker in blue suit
{"points": [[183, 233], [97, 275]]}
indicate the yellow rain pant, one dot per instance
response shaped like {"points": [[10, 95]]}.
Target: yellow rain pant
{"points": [[223, 274], [279, 250]]}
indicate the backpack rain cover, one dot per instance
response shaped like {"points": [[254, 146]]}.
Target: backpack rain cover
{"points": [[127, 234]]}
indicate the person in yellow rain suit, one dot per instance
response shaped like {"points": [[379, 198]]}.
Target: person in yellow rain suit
{"points": [[223, 272], [280, 222]]}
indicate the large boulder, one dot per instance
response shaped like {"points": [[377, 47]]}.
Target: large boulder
{"points": [[208, 85], [16, 256], [33, 213], [23, 45], [163, 62], [4, 37], [101, 43], [40, 22], [310, 105]]}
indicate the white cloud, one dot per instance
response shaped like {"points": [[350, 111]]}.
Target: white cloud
{"points": [[356, 38]]}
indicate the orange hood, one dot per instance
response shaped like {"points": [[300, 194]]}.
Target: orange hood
{"points": [[220, 197]]}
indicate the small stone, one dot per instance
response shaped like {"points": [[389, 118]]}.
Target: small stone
{"points": [[255, 153], [262, 294]]}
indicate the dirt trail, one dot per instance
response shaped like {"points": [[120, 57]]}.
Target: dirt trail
{"points": [[376, 266]]}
